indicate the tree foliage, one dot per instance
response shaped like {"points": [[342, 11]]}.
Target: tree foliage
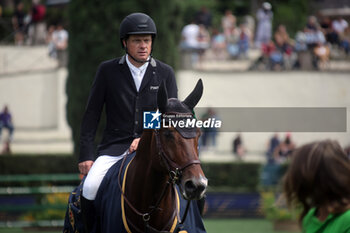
{"points": [[292, 13]]}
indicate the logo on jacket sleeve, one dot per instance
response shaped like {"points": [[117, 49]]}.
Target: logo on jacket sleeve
{"points": [[151, 120]]}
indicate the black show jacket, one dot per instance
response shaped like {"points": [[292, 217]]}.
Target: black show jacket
{"points": [[114, 88]]}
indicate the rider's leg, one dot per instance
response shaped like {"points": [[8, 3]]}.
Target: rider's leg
{"points": [[91, 185], [1, 125], [10, 128], [88, 213], [96, 174]]}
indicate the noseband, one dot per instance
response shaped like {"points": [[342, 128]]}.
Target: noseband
{"points": [[175, 172]]}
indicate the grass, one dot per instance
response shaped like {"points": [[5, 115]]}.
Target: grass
{"points": [[19, 230], [211, 225], [239, 226]]}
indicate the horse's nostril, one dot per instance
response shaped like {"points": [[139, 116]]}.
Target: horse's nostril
{"points": [[190, 187], [201, 188], [193, 189]]}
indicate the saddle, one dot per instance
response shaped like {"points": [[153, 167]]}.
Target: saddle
{"points": [[73, 222]]}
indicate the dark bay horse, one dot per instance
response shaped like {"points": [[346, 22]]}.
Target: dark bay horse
{"points": [[165, 158]]}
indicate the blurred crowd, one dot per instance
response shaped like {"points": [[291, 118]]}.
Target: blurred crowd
{"points": [[309, 49], [278, 151], [30, 28], [234, 39]]}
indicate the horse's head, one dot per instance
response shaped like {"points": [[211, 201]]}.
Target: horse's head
{"points": [[178, 145]]}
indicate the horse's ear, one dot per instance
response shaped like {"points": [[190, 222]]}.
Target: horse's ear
{"points": [[162, 97], [193, 98]]}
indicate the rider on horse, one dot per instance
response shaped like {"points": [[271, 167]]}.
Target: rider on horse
{"points": [[126, 87]]}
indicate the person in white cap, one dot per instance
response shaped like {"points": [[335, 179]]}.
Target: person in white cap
{"points": [[264, 29]]}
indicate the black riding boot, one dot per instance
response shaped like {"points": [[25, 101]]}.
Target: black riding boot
{"points": [[88, 213]]}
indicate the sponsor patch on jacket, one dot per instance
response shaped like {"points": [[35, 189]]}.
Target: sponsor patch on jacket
{"points": [[153, 88]]}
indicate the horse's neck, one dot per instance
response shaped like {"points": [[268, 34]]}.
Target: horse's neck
{"points": [[149, 180], [145, 184]]}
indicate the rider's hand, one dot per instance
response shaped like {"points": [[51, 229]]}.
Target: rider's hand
{"points": [[85, 166], [134, 145]]}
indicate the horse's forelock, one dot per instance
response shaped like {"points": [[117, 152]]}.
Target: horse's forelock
{"points": [[174, 105]]}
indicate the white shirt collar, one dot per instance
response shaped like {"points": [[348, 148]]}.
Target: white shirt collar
{"points": [[134, 68], [137, 72]]}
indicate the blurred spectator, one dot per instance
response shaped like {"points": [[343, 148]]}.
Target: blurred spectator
{"points": [[239, 42], [315, 41], [238, 148], [232, 42], [285, 45], [190, 34], [7, 123], [250, 24], [37, 27], [284, 149], [274, 56], [50, 44], [322, 53], [272, 145], [189, 42], [204, 17], [19, 24], [203, 42], [300, 41], [312, 23], [345, 41], [305, 45], [60, 40], [244, 39], [339, 25], [317, 183], [282, 39], [218, 44], [314, 37], [209, 134], [327, 29], [271, 58], [228, 23], [264, 29]]}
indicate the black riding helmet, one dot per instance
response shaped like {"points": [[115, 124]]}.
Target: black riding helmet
{"points": [[137, 23]]}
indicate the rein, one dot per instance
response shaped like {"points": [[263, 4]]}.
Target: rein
{"points": [[175, 172]]}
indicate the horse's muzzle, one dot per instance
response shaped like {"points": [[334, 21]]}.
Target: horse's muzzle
{"points": [[194, 188]]}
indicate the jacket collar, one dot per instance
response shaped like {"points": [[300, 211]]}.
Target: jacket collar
{"points": [[123, 60]]}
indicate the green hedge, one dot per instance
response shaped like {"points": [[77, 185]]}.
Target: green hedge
{"points": [[232, 176], [38, 164]]}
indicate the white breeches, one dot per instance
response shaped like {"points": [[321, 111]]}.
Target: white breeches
{"points": [[96, 174]]}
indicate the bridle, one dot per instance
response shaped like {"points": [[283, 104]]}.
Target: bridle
{"points": [[175, 173], [174, 170]]}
